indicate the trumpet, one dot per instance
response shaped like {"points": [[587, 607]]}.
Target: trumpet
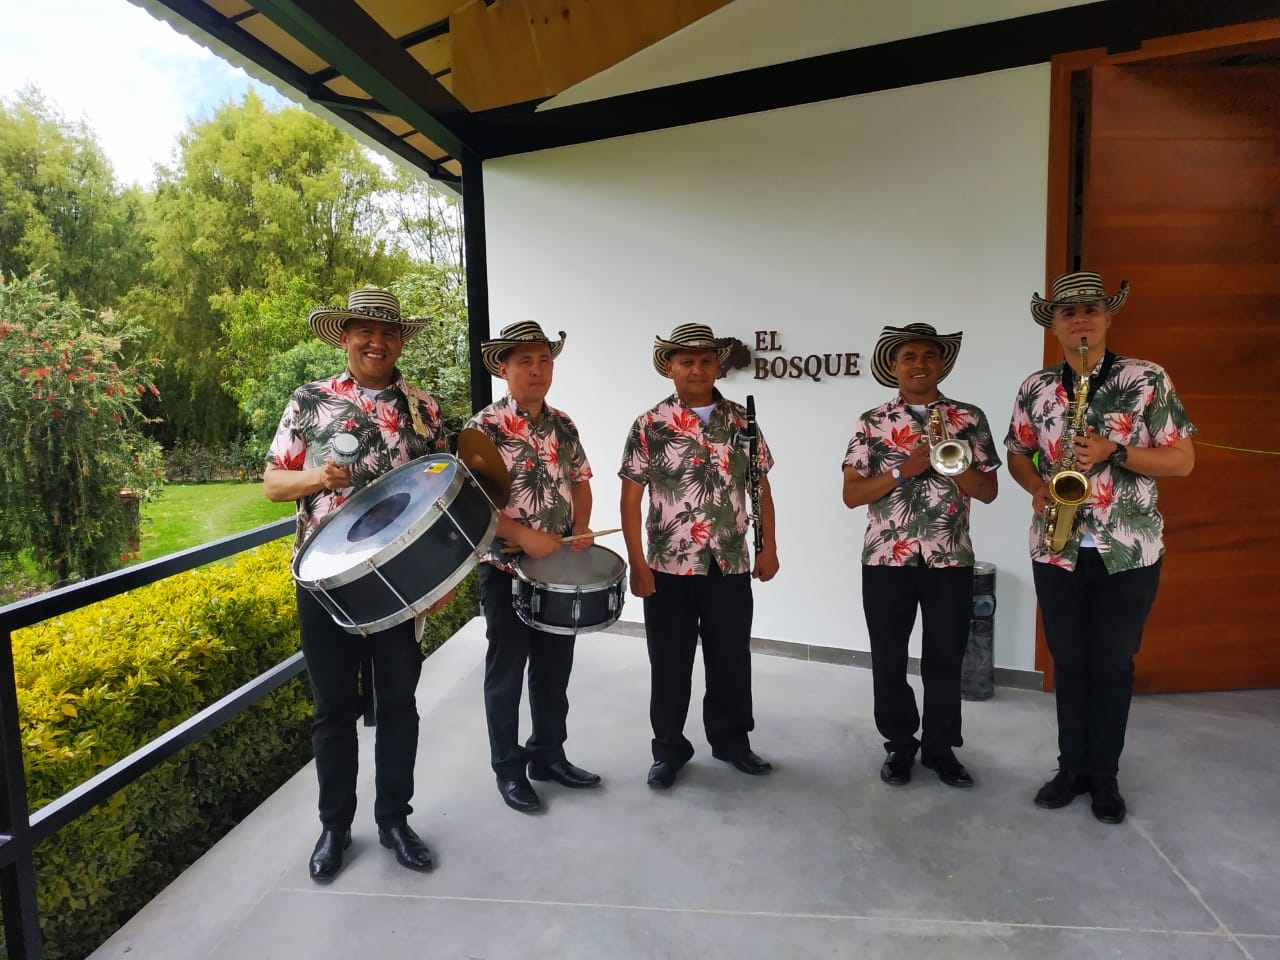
{"points": [[1068, 486], [947, 456]]}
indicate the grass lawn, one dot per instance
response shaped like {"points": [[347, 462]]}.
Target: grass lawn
{"points": [[187, 515]]}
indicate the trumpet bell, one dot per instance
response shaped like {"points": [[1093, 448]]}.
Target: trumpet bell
{"points": [[951, 457]]}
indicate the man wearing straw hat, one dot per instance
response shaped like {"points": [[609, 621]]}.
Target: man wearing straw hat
{"points": [[1095, 591], [917, 552], [387, 423], [691, 452], [550, 499]]}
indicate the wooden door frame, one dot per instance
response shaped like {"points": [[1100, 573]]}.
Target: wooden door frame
{"points": [[1061, 241]]}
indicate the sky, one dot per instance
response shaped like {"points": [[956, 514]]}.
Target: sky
{"points": [[135, 80]]}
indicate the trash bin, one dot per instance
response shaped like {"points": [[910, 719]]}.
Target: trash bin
{"points": [[978, 672]]}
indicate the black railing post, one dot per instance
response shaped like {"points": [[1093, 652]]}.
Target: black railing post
{"points": [[17, 871]]}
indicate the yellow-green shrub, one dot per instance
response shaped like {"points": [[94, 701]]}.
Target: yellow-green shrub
{"points": [[96, 684]]}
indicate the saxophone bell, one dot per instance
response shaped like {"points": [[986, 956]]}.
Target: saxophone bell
{"points": [[1068, 486]]}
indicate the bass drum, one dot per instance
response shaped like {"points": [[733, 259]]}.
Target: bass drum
{"points": [[570, 591], [398, 545]]}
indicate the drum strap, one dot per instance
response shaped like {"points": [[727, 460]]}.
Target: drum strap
{"points": [[416, 397]]}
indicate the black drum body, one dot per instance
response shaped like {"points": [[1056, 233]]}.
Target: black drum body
{"points": [[570, 591], [398, 545]]}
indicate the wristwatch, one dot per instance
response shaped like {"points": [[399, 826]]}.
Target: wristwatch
{"points": [[897, 475], [1119, 455]]}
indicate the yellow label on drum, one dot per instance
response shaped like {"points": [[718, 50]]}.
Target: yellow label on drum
{"points": [[440, 467]]}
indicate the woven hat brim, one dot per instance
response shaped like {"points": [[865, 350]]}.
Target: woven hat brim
{"points": [[491, 350], [663, 349], [327, 324], [882, 355], [1042, 309]]}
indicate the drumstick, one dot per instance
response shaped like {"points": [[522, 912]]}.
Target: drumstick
{"points": [[589, 534]]}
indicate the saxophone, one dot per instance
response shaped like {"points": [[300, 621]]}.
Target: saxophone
{"points": [[1068, 486]]}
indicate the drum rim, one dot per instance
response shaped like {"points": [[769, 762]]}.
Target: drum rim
{"points": [[577, 587], [574, 631], [393, 548]]}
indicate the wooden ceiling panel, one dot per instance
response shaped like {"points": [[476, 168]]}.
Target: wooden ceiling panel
{"points": [[346, 87], [394, 124], [435, 55], [454, 167], [400, 18], [519, 50], [425, 146], [229, 8], [282, 43]]}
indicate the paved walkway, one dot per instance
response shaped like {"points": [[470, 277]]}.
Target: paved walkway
{"points": [[819, 860]]}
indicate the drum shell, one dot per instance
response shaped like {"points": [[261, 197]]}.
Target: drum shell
{"points": [[568, 609], [414, 571]]}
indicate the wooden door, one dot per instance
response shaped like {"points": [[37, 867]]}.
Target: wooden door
{"points": [[1181, 197]]}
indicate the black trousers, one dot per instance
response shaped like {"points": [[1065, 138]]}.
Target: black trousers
{"points": [[512, 644], [1093, 624], [333, 664], [717, 608], [890, 597]]}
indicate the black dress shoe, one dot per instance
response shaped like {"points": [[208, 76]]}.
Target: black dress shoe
{"points": [[1065, 786], [564, 772], [749, 762], [662, 774], [326, 858], [518, 795], [409, 849], [896, 769], [1108, 806], [949, 770]]}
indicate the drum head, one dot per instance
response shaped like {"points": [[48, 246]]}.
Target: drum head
{"points": [[594, 566], [395, 505]]}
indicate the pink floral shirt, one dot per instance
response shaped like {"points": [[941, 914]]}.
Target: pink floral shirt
{"points": [[697, 476], [382, 426], [925, 521], [1136, 405], [545, 458]]}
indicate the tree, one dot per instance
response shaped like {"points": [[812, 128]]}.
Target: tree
{"points": [[70, 443], [60, 209], [256, 200]]}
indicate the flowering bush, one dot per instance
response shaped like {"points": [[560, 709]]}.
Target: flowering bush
{"points": [[70, 439]]}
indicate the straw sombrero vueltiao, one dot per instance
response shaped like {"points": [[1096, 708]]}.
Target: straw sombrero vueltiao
{"points": [[688, 336], [367, 303], [514, 335], [893, 337], [1084, 286]]}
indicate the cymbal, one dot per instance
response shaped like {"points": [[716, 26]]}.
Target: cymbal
{"points": [[482, 458]]}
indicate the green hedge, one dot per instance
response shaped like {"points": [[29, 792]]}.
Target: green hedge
{"points": [[101, 682]]}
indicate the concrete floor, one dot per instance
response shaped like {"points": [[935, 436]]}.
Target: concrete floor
{"points": [[819, 860]]}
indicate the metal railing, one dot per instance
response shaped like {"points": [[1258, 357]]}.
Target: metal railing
{"points": [[20, 829]]}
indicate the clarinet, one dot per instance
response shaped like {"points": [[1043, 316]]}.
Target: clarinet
{"points": [[753, 474]]}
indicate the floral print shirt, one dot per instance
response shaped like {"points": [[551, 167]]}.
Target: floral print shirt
{"points": [[382, 425], [1136, 405], [698, 482], [545, 458], [925, 521]]}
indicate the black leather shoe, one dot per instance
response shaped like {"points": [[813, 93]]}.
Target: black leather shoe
{"points": [[1065, 786], [949, 770], [896, 769], [409, 849], [749, 762], [518, 795], [662, 774], [326, 858], [564, 772], [1108, 806]]}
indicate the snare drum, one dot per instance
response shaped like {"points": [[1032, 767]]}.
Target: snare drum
{"points": [[570, 591], [397, 545]]}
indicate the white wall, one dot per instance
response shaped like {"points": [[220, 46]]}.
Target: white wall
{"points": [[824, 222]]}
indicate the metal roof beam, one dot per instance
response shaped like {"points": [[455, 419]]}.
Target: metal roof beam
{"points": [[352, 42]]}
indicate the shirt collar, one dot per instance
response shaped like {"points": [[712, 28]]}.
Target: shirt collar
{"points": [[397, 382], [509, 401]]}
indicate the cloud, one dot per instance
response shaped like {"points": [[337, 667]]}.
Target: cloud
{"points": [[133, 79]]}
